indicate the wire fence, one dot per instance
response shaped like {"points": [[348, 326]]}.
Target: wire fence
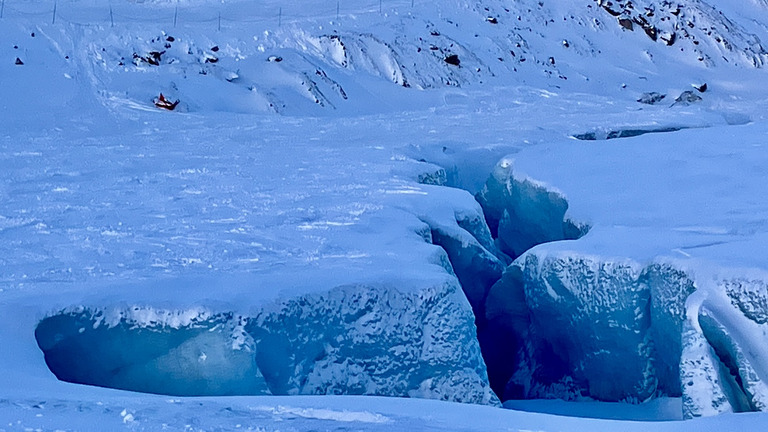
{"points": [[270, 12]]}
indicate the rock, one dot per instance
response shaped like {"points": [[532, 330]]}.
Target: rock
{"points": [[275, 59], [19, 62], [651, 98], [452, 59], [701, 88], [492, 20], [687, 97], [626, 23]]}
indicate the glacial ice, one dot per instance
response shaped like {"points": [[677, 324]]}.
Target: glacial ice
{"points": [[373, 340], [563, 323], [582, 318], [522, 213]]}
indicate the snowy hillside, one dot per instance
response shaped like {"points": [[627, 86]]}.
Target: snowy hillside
{"points": [[480, 203]]}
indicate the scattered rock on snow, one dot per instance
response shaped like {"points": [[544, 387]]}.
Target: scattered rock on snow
{"points": [[19, 62], [452, 59], [701, 88], [687, 97], [651, 98], [275, 59]]}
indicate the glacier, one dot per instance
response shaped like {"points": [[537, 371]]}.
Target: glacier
{"points": [[316, 217], [371, 340], [680, 321]]}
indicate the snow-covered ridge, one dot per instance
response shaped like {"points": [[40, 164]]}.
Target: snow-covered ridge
{"points": [[341, 63]]}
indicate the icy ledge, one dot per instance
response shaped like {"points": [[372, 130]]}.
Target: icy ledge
{"points": [[576, 319], [372, 340]]}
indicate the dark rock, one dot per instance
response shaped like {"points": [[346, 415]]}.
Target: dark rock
{"points": [[670, 40], [211, 60], [626, 23], [452, 59], [651, 32], [19, 62], [701, 88], [275, 59], [170, 39], [651, 98], [492, 20], [215, 48], [33, 34], [687, 97], [611, 11], [434, 33]]}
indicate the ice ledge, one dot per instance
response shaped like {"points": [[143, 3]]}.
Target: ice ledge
{"points": [[355, 339], [677, 328]]}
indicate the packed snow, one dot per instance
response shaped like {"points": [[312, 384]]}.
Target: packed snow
{"points": [[471, 202]]}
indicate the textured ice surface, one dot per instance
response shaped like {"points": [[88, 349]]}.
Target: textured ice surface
{"points": [[522, 213], [372, 340], [665, 300]]}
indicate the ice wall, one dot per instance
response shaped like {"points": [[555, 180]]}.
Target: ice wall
{"points": [[133, 350], [373, 340], [564, 323], [522, 213], [587, 327]]}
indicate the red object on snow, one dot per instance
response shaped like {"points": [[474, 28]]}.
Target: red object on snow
{"points": [[162, 102]]}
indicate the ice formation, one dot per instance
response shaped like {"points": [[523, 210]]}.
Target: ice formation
{"points": [[372, 340], [562, 323]]}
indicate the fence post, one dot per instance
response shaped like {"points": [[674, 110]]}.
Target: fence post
{"points": [[379, 6], [280, 17], [219, 21], [175, 15], [337, 10], [111, 16], [2, 8], [54, 12]]}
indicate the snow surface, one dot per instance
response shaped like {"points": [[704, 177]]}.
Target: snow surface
{"points": [[352, 162]]}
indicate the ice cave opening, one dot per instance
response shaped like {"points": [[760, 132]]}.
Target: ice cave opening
{"points": [[200, 357]]}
